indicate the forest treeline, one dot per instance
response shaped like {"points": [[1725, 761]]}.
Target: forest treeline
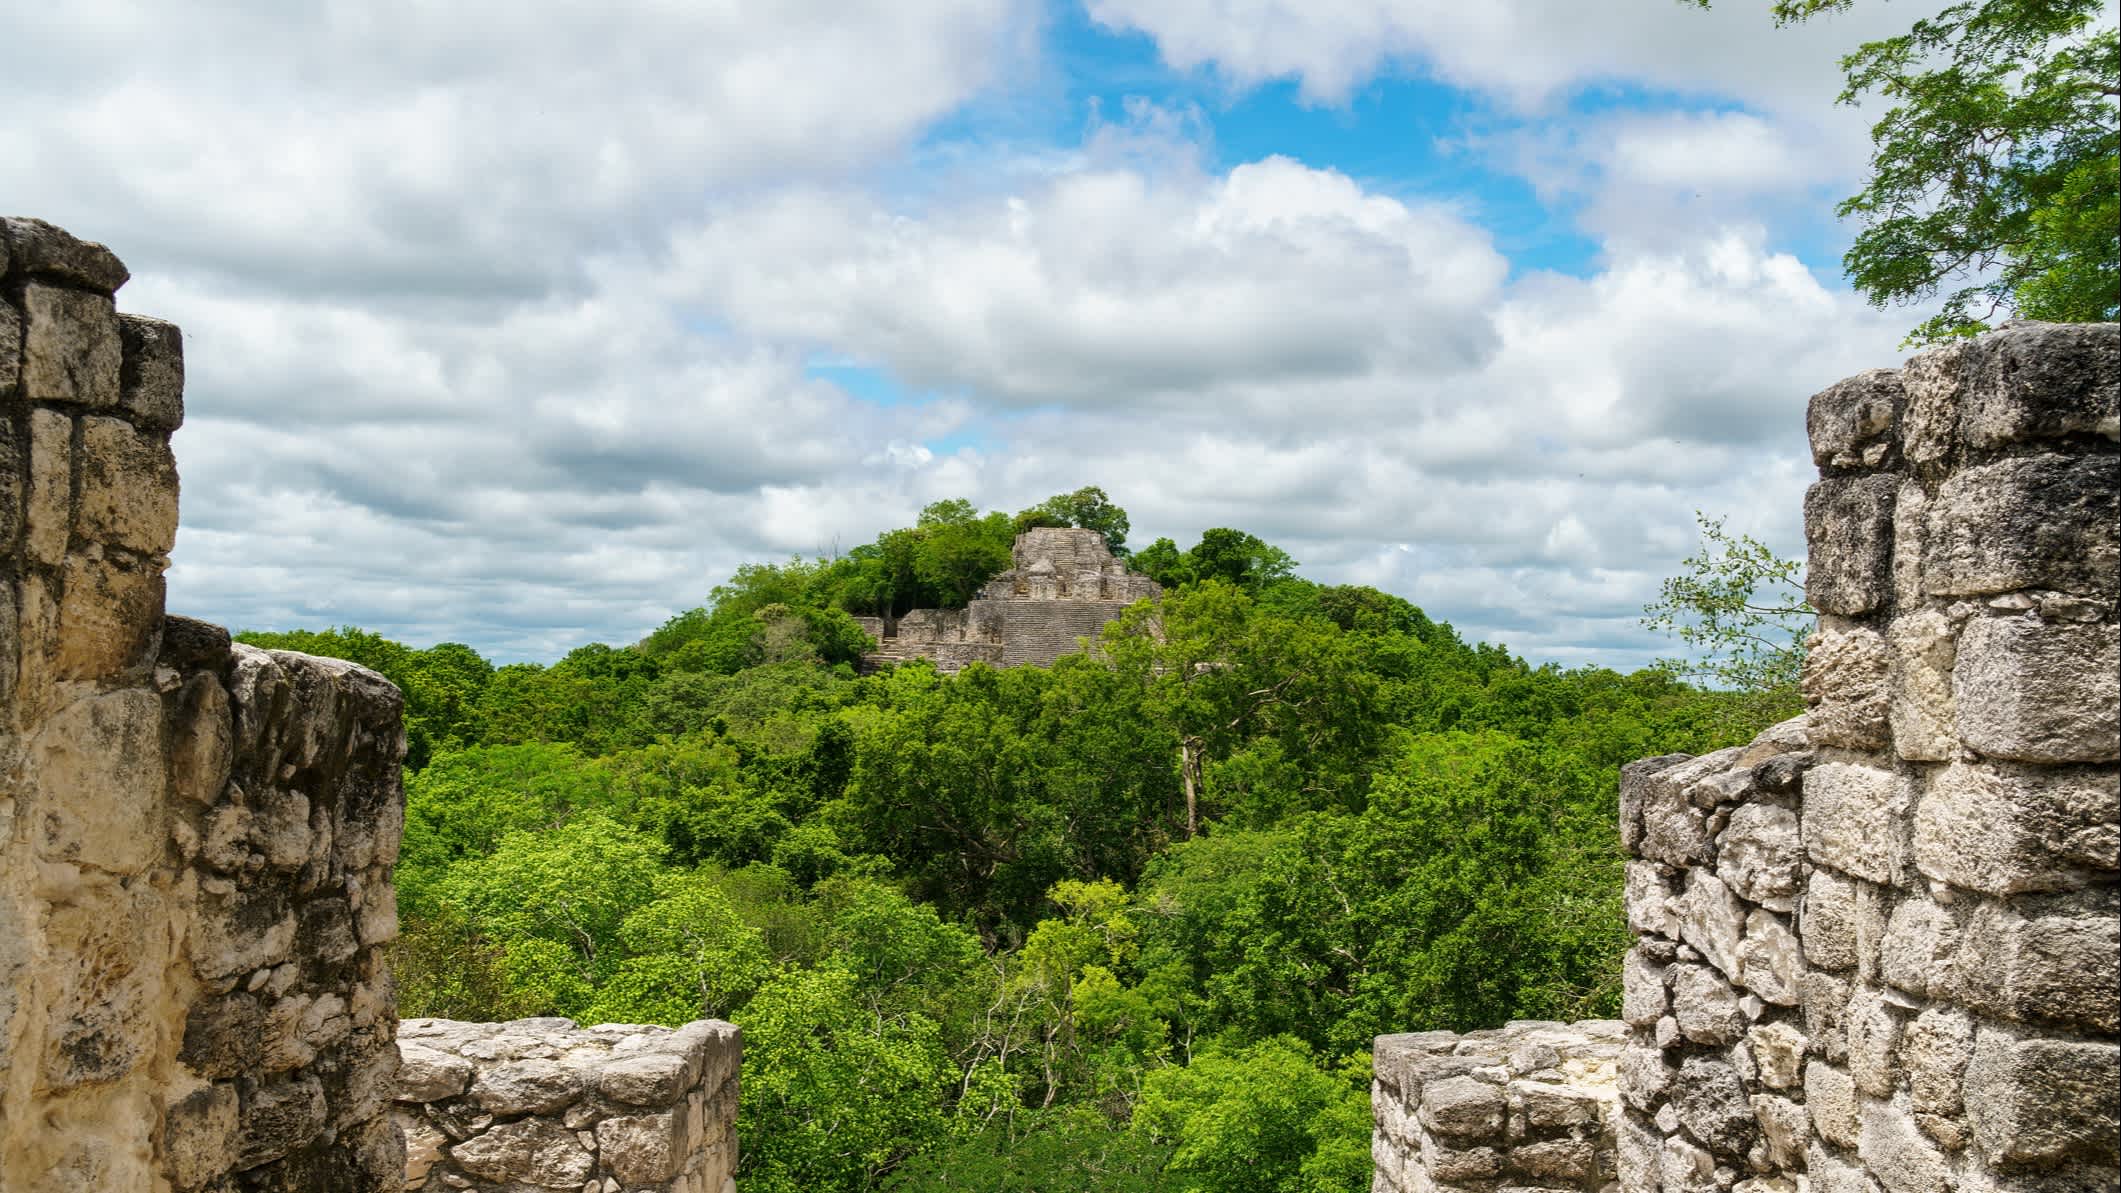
{"points": [[1125, 923]]}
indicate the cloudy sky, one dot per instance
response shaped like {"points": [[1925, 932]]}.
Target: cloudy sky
{"points": [[522, 323]]}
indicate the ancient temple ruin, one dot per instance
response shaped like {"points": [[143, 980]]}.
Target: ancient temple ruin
{"points": [[1879, 947], [1065, 586]]}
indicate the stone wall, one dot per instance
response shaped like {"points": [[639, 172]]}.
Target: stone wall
{"points": [[1880, 948], [1065, 586], [544, 1103], [1528, 1106], [195, 838]]}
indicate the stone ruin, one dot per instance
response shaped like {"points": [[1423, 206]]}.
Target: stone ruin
{"points": [[196, 843], [543, 1102], [1065, 586], [1879, 947]]}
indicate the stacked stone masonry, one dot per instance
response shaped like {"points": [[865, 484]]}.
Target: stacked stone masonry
{"points": [[196, 838], [543, 1103], [1529, 1106], [1878, 949], [1065, 586]]}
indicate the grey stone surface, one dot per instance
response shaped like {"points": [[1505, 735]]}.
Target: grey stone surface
{"points": [[546, 1103], [2036, 691], [1848, 524], [2042, 521]]}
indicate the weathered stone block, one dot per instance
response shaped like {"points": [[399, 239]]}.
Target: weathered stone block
{"points": [[42, 249], [151, 379], [48, 515], [1712, 1105], [1874, 1030], [1845, 684], [1705, 1005], [1778, 1054], [2005, 828], [533, 1086], [1848, 524], [223, 1036], [1760, 855], [1462, 1107], [128, 487], [1642, 982], [1830, 1095], [1921, 941], [1853, 423], [2037, 1100], [1684, 1168], [101, 999], [1826, 1000], [109, 612], [642, 1148], [97, 765], [10, 350], [1910, 534], [1896, 1154], [1649, 806], [1785, 1127], [533, 1151], [2055, 961], [1648, 899], [278, 1117], [1712, 920], [71, 350], [2030, 381], [2036, 522], [2031, 691], [1770, 960], [242, 930], [1922, 649], [199, 1135], [1855, 820], [1938, 1046]]}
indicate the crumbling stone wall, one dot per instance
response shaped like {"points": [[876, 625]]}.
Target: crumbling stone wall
{"points": [[1881, 946], [195, 838], [544, 1103], [1528, 1106], [1065, 586]]}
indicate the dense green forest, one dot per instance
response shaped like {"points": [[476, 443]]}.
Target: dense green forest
{"points": [[974, 933]]}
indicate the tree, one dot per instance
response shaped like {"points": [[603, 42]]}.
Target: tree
{"points": [[1741, 609], [1996, 165]]}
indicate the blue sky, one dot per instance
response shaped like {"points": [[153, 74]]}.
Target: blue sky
{"points": [[522, 325]]}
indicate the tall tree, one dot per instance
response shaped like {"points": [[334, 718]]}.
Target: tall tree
{"points": [[1998, 167]]}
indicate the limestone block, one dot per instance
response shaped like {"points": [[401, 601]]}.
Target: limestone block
{"points": [[1939, 1043], [423, 1149], [1922, 647], [1921, 943], [1853, 423], [1785, 1127], [642, 1148], [1645, 1074], [1848, 524], [1636, 793], [10, 350], [2004, 828], [533, 1086], [1555, 1160], [1935, 389], [71, 350], [128, 483], [1778, 1052], [1642, 984], [1770, 961], [1454, 1165], [1830, 1096], [1897, 1155], [1760, 855], [201, 748], [1910, 532], [1462, 1106], [48, 516], [1826, 1000], [1712, 920], [1712, 1105], [97, 766], [1684, 1168], [2032, 522], [1648, 899], [1855, 820], [2031, 1099], [2031, 381], [101, 995], [40, 248], [1845, 684], [1874, 1031], [223, 1035], [534, 1151], [1638, 1154], [242, 930], [1705, 1005], [151, 378], [1830, 1172], [199, 1134], [277, 1117], [654, 1079], [2054, 961], [109, 612], [2030, 691]]}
